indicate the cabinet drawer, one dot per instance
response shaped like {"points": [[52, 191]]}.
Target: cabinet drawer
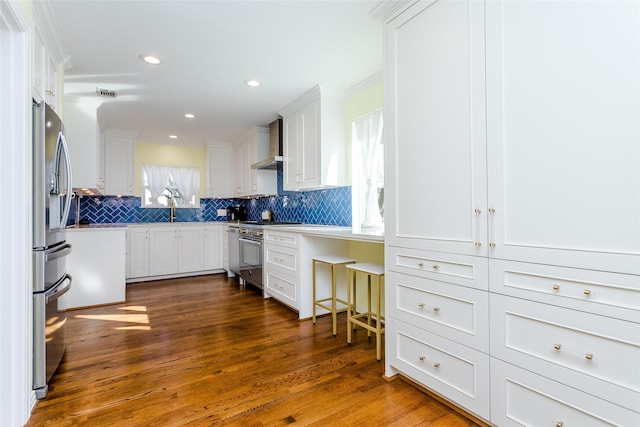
{"points": [[457, 313], [593, 353], [519, 397], [291, 240], [282, 259], [609, 294], [458, 269], [283, 288], [455, 371]]}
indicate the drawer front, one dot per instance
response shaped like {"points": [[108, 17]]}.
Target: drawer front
{"points": [[594, 353], [455, 371], [454, 312], [458, 269], [283, 288], [519, 397], [290, 240], [282, 259], [608, 294]]}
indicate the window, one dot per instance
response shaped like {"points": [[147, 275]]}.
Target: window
{"points": [[167, 185], [368, 171]]}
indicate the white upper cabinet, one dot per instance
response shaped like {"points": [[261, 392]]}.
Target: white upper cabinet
{"points": [[563, 109], [220, 171], [83, 134], [435, 120], [250, 149], [48, 56], [314, 141], [118, 165]]}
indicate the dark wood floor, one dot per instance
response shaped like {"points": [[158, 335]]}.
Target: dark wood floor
{"points": [[204, 351]]}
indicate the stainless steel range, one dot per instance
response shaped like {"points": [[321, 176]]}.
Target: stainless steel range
{"points": [[250, 250]]}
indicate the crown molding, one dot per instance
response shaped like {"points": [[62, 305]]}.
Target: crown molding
{"points": [[386, 10], [46, 26]]}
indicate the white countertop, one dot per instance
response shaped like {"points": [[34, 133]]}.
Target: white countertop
{"points": [[333, 231]]}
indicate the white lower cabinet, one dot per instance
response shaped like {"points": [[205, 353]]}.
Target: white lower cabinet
{"points": [[455, 371], [281, 271], [97, 266], [596, 354], [173, 250], [455, 312], [163, 250], [519, 397], [138, 252], [213, 247], [287, 269]]}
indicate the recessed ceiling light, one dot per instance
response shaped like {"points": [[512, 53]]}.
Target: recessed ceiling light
{"points": [[189, 116], [149, 59], [173, 136], [252, 83]]}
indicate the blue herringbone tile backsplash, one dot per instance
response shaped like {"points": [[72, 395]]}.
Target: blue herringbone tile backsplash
{"points": [[329, 206]]}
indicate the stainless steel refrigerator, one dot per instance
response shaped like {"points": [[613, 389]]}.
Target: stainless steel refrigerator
{"points": [[51, 203]]}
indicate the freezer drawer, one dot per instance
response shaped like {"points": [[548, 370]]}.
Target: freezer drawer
{"points": [[49, 331]]}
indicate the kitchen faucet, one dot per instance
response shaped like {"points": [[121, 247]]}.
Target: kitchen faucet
{"points": [[172, 211]]}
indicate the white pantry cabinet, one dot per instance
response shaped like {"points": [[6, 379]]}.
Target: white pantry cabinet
{"points": [[435, 120], [505, 147], [563, 151], [220, 171], [118, 164], [314, 142], [249, 149]]}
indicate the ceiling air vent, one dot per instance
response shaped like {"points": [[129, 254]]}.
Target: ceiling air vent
{"points": [[106, 93]]}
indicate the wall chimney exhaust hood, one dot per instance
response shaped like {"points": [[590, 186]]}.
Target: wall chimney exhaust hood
{"points": [[275, 151]]}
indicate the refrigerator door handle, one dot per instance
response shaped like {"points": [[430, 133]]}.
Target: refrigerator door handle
{"points": [[68, 190], [57, 291], [63, 251]]}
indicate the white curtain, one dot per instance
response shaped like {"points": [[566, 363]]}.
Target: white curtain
{"points": [[167, 179], [187, 180], [367, 133], [157, 179]]}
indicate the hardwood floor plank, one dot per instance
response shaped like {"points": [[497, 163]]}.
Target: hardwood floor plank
{"points": [[203, 351]]}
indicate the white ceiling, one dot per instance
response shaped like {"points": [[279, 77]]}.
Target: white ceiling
{"points": [[208, 49]]}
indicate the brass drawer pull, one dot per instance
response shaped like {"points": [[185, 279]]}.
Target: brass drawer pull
{"points": [[435, 266], [421, 305], [421, 358], [587, 292], [436, 309], [559, 424], [556, 287], [436, 365], [420, 264], [588, 356]]}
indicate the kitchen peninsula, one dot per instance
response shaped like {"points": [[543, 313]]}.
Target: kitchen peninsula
{"points": [[287, 260]]}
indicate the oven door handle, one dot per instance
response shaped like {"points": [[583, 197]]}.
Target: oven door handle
{"points": [[251, 241], [58, 290]]}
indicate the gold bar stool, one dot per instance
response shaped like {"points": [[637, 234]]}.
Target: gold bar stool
{"points": [[333, 261], [365, 319]]}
